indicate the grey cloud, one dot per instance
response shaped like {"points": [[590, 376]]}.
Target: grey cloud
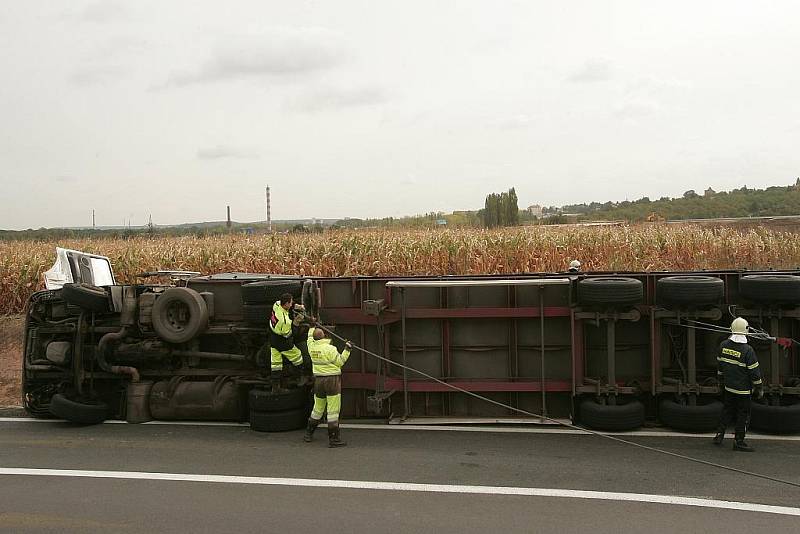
{"points": [[515, 122], [98, 74], [636, 108], [594, 70], [277, 53], [102, 11], [225, 152], [118, 46], [337, 98]]}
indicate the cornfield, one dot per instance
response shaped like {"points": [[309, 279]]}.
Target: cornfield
{"points": [[413, 252]]}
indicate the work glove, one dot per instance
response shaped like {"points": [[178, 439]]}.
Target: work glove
{"points": [[758, 391], [299, 307], [348, 345], [784, 342], [298, 318]]}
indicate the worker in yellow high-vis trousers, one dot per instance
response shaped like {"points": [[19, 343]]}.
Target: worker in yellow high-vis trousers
{"points": [[327, 364], [280, 339]]}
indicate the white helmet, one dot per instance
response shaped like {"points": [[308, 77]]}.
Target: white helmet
{"points": [[575, 265], [739, 326]]}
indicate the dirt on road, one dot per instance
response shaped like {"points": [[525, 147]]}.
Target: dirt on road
{"points": [[11, 327]]}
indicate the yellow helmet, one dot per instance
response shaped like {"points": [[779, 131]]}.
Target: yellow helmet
{"points": [[739, 326]]}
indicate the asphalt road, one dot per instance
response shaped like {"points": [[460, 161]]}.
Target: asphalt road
{"points": [[573, 462]]}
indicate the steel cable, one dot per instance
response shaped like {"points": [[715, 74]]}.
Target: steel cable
{"points": [[561, 423]]}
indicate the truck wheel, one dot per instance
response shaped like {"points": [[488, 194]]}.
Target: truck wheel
{"points": [[625, 416], [266, 401], [179, 315], [704, 417], [257, 313], [689, 291], [88, 297], [279, 421], [783, 419], [268, 291], [86, 413], [619, 291], [770, 288], [309, 298]]}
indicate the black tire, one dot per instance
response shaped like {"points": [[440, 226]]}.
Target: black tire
{"points": [[784, 419], [689, 291], [704, 417], [279, 421], [620, 291], [179, 315], [87, 297], [771, 288], [309, 298], [266, 401], [268, 291], [257, 313], [85, 413], [625, 416]]}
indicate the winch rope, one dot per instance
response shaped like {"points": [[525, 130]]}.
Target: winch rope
{"points": [[562, 423]]}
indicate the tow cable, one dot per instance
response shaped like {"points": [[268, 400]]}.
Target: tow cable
{"points": [[561, 423]]}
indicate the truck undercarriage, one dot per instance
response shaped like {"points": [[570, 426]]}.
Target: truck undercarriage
{"points": [[612, 351]]}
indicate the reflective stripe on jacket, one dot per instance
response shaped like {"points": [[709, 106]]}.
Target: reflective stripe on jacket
{"points": [[280, 322], [325, 358], [738, 366]]}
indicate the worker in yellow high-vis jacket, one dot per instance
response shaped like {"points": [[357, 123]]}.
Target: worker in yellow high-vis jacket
{"points": [[280, 339], [327, 364]]}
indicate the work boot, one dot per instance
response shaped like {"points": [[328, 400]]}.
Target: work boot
{"points": [[741, 445], [718, 438], [334, 440], [310, 428]]}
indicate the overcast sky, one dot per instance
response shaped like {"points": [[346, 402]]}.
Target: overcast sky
{"points": [[378, 108]]}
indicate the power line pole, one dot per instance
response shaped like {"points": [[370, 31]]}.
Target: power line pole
{"points": [[93, 227]]}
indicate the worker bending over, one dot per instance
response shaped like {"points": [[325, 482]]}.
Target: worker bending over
{"points": [[327, 365], [739, 373], [280, 338]]}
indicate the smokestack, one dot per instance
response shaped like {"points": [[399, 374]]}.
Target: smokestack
{"points": [[269, 215], [228, 224]]}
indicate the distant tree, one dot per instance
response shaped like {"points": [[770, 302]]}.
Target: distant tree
{"points": [[501, 209]]}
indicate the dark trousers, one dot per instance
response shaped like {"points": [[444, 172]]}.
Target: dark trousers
{"points": [[737, 408]]}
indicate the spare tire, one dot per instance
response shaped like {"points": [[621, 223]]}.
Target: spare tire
{"points": [[86, 296], [689, 290], [85, 412], [268, 291], [266, 401], [606, 290], [703, 417], [627, 415], [783, 419], [771, 288], [309, 298], [179, 315], [279, 421]]}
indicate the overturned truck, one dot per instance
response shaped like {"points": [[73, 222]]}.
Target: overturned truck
{"points": [[611, 351]]}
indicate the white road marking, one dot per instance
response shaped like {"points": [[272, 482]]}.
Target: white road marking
{"points": [[409, 486], [438, 428]]}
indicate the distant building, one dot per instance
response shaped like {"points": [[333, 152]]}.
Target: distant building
{"points": [[535, 210], [709, 192]]}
